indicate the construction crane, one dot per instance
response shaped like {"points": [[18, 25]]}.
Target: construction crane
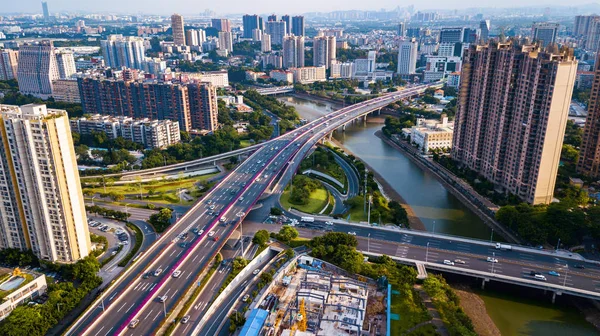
{"points": [[300, 323]]}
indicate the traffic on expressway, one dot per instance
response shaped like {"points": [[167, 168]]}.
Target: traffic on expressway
{"points": [[138, 301]]}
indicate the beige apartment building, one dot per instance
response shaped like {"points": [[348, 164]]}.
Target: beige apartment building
{"points": [[589, 155], [42, 206], [512, 111]]}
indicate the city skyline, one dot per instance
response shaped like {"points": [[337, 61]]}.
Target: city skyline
{"points": [[241, 7]]}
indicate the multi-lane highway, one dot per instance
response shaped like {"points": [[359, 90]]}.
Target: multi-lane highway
{"points": [[137, 302]]}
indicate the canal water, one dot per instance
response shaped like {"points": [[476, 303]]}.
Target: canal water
{"points": [[438, 209], [435, 206]]}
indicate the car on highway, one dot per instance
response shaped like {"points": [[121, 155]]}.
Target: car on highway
{"points": [[492, 260], [211, 233], [145, 276], [157, 272], [241, 198], [200, 232], [243, 184], [459, 261], [163, 298], [256, 271], [185, 319], [554, 273], [176, 274], [195, 230], [352, 233], [579, 266], [223, 219], [212, 207], [328, 223], [539, 277], [449, 262], [216, 238], [245, 298], [534, 273], [209, 202], [134, 323]]}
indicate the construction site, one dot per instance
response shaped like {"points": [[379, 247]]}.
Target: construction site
{"points": [[314, 298]]}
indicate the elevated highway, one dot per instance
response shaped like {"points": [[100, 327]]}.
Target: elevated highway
{"points": [[148, 289]]}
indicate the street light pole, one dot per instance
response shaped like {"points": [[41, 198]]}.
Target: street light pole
{"points": [[369, 213], [433, 226], [93, 200], [127, 210], [558, 245], [164, 309], [369, 243], [493, 260], [427, 253], [492, 236], [566, 273]]}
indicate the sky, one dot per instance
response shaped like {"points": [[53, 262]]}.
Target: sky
{"points": [[191, 7]]}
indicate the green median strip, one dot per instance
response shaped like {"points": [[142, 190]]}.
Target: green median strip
{"points": [[139, 237]]}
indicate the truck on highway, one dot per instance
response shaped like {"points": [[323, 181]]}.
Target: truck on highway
{"points": [[503, 247], [307, 219]]}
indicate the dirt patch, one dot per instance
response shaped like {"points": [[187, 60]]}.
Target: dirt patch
{"points": [[474, 307]]}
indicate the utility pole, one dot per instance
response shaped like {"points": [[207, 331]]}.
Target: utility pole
{"points": [[365, 192], [427, 253], [492, 236], [369, 213], [493, 260], [566, 273], [369, 243], [558, 245]]}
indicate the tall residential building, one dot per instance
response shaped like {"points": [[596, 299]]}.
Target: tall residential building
{"points": [[249, 23], [272, 17], [257, 35], [265, 43], [151, 99], [226, 41], [191, 37], [9, 61], [119, 51], [293, 51], [42, 206], [37, 69], [484, 30], [402, 29], [544, 32], [298, 25], [178, 29], [324, 51], [587, 31], [288, 24], [510, 128], [589, 155], [407, 57], [306, 75], [277, 30], [66, 90], [66, 64], [45, 11], [221, 24], [582, 24], [203, 106]]}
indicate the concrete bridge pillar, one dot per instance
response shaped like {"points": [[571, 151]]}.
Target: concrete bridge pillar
{"points": [[483, 281], [343, 127], [554, 294], [330, 134], [214, 162]]}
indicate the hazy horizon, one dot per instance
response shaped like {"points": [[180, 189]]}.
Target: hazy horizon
{"points": [[186, 7]]}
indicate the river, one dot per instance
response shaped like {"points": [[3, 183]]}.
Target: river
{"points": [[435, 206]]}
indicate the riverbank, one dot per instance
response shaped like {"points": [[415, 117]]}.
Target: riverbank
{"points": [[386, 189], [475, 308], [486, 218]]}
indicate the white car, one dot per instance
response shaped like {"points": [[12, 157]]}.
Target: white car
{"points": [[133, 323], [448, 262], [352, 233], [241, 198], [328, 223], [211, 233], [223, 219], [176, 274], [212, 207], [157, 272], [163, 298], [246, 297], [539, 277], [200, 232], [256, 271], [492, 260], [185, 319]]}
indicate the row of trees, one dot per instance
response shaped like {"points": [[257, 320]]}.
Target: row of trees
{"points": [[288, 115], [108, 213]]}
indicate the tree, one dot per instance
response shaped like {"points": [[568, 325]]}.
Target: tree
{"points": [[161, 220], [236, 320], [261, 238], [276, 211], [289, 253], [287, 233], [116, 197]]}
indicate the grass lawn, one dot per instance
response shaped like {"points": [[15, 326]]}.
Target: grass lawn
{"points": [[161, 186], [298, 242], [408, 306], [356, 215], [316, 202], [246, 143]]}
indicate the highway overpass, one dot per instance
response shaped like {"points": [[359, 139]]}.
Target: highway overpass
{"points": [[135, 295]]}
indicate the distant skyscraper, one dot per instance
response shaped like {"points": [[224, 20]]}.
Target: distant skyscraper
{"points": [[191, 37], [589, 155], [587, 31], [293, 51], [203, 106], [221, 24], [37, 69], [9, 61], [42, 206], [226, 41], [402, 29], [469, 35], [45, 11], [256, 35], [288, 24], [201, 36], [324, 51], [272, 17], [277, 31], [407, 57], [119, 51], [298, 25], [510, 128], [451, 35], [66, 64], [249, 22], [178, 29], [484, 30], [544, 32], [265, 43]]}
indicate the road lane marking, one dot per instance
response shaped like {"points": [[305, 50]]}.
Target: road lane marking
{"points": [[122, 307], [133, 304], [149, 314], [154, 319], [99, 331]]}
